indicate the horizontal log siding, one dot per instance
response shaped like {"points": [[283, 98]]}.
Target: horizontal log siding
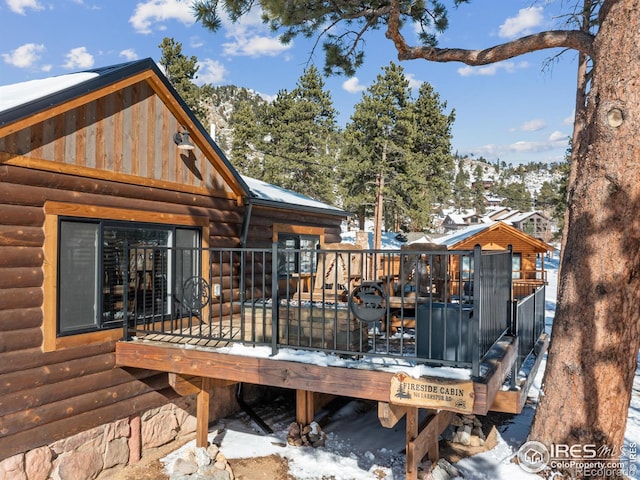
{"points": [[262, 220], [50, 396], [127, 132]]}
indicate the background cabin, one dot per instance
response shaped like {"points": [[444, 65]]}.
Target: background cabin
{"points": [[90, 162], [528, 253]]}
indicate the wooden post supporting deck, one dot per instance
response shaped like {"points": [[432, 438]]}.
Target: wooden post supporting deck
{"points": [[305, 409], [202, 413], [421, 438]]}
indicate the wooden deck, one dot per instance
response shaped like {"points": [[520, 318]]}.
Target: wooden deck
{"points": [[168, 354]]}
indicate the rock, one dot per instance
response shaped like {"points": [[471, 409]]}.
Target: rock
{"points": [[116, 453], [444, 471], [212, 451], [79, 465], [476, 441], [182, 467], [202, 457], [477, 431], [159, 429], [463, 435], [12, 468], [457, 421], [118, 429], [38, 463]]}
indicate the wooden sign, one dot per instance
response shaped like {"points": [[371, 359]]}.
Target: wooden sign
{"points": [[436, 393]]}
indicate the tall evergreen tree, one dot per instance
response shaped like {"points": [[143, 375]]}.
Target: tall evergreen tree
{"points": [[477, 191], [245, 138], [430, 170], [181, 70], [299, 139], [461, 191], [377, 143]]}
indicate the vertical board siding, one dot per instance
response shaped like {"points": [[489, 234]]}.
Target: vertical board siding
{"points": [[90, 143], [129, 131]]}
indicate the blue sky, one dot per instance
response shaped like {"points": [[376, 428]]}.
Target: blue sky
{"points": [[513, 111]]}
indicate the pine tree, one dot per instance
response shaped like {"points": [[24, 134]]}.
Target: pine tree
{"points": [[477, 191], [430, 171], [299, 139], [461, 192], [245, 138], [377, 146], [181, 71]]}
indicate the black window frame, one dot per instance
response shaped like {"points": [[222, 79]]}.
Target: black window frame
{"points": [[295, 258], [100, 324]]}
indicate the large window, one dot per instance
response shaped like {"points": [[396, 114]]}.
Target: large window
{"points": [[101, 260]]}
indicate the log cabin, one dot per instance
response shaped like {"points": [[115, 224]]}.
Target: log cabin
{"points": [[528, 270], [88, 161], [132, 251]]}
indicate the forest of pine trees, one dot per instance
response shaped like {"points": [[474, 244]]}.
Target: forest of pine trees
{"points": [[394, 151]]}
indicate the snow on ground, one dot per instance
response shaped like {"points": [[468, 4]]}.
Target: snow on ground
{"points": [[359, 448]]}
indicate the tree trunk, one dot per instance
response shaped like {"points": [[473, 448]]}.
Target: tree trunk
{"points": [[596, 333]]}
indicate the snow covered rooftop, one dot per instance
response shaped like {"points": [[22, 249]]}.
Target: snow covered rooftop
{"points": [[462, 234], [24, 92], [273, 193]]}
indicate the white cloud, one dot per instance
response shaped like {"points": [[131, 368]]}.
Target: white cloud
{"points": [[559, 137], [493, 69], [533, 125], [210, 71], [413, 83], [130, 54], [196, 42], [570, 119], [255, 46], [523, 23], [25, 56], [20, 6], [153, 11], [555, 141], [249, 37], [78, 58], [352, 85]]}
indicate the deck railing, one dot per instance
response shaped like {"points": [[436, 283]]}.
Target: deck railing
{"points": [[529, 323], [347, 301]]}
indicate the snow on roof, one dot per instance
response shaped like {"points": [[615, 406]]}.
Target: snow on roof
{"points": [[24, 92], [462, 234], [456, 218], [523, 216], [266, 191]]}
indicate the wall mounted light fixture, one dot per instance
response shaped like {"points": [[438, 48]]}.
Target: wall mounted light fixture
{"points": [[181, 139]]}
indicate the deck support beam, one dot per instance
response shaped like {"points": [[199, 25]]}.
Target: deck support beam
{"points": [[390, 414], [305, 408], [422, 438], [202, 413]]}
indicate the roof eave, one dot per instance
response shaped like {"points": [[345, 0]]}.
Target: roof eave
{"points": [[299, 208]]}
